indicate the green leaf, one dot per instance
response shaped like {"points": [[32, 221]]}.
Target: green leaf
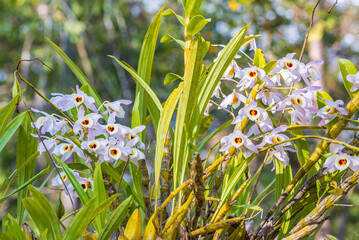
{"points": [[11, 129], [156, 107], [167, 38], [331, 237], [16, 89], [191, 7], [233, 179], [214, 75], [259, 59], [13, 229], [6, 113], [99, 193], [196, 24], [145, 63], [205, 124], [42, 214], [46, 170], [187, 102], [301, 146], [346, 67], [26, 147], [169, 13], [170, 78], [212, 134], [320, 96], [74, 182], [78, 166], [78, 73], [116, 219], [165, 120], [269, 66], [84, 217]]}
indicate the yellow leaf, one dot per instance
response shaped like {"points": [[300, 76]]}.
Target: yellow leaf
{"points": [[134, 226]]}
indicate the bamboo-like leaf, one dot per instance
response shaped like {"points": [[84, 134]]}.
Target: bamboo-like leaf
{"points": [[283, 176], [165, 120], [156, 107], [99, 193], [78, 73], [269, 66], [11, 229], [167, 38], [320, 96], [84, 217], [6, 113], [74, 182], [115, 219], [196, 24], [205, 124], [215, 74], [301, 146], [26, 147], [233, 180], [191, 7], [259, 59], [212, 134], [346, 67], [42, 214], [170, 78], [145, 62], [78, 166], [11, 129], [169, 13], [46, 170], [181, 152]]}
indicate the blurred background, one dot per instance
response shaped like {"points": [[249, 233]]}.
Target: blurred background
{"points": [[88, 31]]}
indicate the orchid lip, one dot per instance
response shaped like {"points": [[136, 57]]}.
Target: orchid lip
{"points": [[78, 99], [86, 122], [112, 129]]}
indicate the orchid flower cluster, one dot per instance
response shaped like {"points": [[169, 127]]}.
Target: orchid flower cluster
{"points": [[92, 135], [261, 107]]}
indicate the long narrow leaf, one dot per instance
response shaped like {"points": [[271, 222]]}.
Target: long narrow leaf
{"points": [[46, 170], [156, 108], [42, 214], [116, 219], [165, 120], [74, 182], [6, 113], [84, 217], [10, 130], [99, 193], [26, 147], [78, 73], [145, 62]]}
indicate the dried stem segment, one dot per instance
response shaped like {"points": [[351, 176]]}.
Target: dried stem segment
{"points": [[351, 108], [326, 203], [216, 226], [304, 188], [166, 177], [146, 188], [198, 188], [231, 201], [306, 231], [175, 220]]}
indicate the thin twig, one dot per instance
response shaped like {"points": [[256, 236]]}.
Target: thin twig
{"points": [[52, 160], [30, 60], [333, 5], [309, 28]]}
